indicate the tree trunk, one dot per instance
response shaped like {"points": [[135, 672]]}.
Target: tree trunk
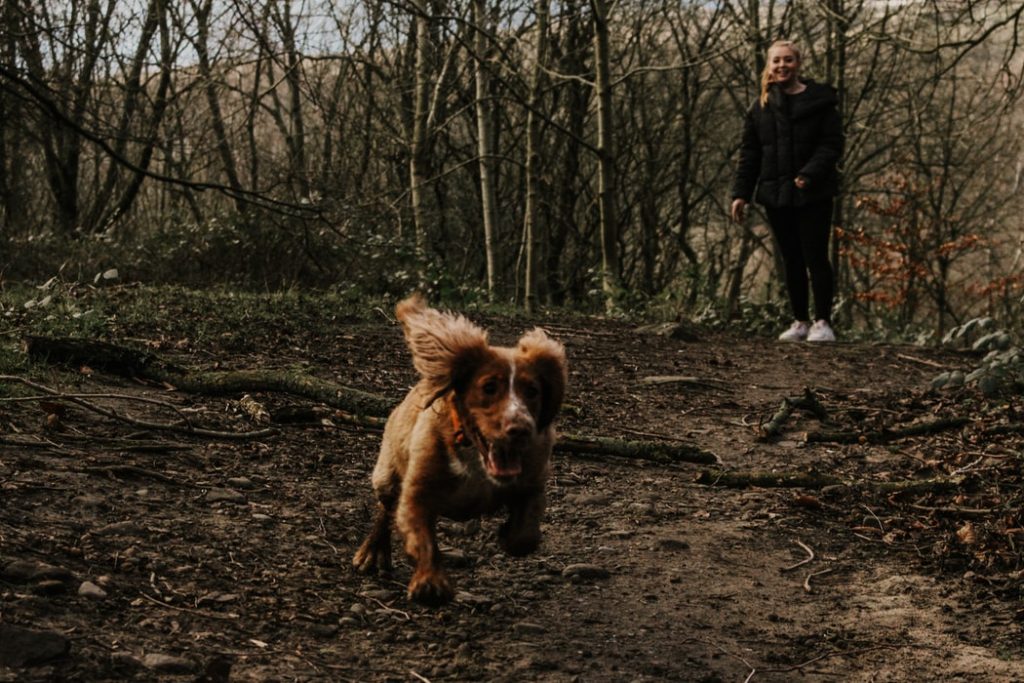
{"points": [[531, 231], [485, 139], [607, 181], [418, 150]]}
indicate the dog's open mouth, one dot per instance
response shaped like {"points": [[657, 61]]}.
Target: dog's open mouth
{"points": [[502, 462]]}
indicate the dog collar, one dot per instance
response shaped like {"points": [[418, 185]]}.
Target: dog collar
{"points": [[459, 432]]}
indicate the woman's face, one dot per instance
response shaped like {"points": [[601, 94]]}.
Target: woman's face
{"points": [[784, 65]]}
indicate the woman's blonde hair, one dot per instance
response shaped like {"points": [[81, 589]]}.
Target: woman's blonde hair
{"points": [[766, 73]]}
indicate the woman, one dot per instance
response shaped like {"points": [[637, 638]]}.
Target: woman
{"points": [[792, 142]]}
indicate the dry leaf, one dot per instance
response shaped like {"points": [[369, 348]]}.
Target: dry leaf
{"points": [[807, 501], [966, 534], [254, 410]]}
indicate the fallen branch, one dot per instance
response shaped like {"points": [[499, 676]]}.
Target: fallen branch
{"points": [[354, 407], [637, 450], [146, 424], [809, 401], [886, 435], [129, 362], [817, 480], [1000, 430], [742, 480]]}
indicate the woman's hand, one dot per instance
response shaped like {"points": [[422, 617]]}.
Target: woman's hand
{"points": [[738, 210]]}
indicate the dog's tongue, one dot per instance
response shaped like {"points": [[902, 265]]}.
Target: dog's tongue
{"points": [[502, 464]]}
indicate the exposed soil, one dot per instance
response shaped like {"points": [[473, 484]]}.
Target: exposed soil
{"points": [[216, 552]]}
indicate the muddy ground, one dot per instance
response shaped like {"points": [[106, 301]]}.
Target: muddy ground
{"points": [[136, 554]]}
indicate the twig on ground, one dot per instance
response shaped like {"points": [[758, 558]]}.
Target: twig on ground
{"points": [[828, 655], [957, 511], [136, 471], [389, 609], [807, 581], [922, 361], [809, 558], [114, 415], [808, 401], [886, 434], [881, 527], [198, 612], [418, 677], [721, 649]]}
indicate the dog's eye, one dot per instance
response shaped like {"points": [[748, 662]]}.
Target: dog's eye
{"points": [[490, 387], [531, 391]]}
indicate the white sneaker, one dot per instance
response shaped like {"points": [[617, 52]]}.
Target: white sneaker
{"points": [[796, 332], [821, 331]]}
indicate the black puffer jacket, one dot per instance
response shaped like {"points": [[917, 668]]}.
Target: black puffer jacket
{"points": [[794, 135]]}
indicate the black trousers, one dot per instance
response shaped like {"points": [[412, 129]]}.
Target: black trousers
{"points": [[802, 234]]}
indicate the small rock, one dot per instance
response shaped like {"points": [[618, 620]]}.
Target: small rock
{"points": [[526, 628], [25, 571], [589, 499], [125, 659], [323, 630], [126, 528], [25, 647], [382, 594], [241, 483], [224, 495], [453, 557], [671, 544], [49, 587], [260, 517], [646, 509], [91, 590], [89, 501], [348, 621], [168, 664], [585, 571], [621, 533], [467, 598]]}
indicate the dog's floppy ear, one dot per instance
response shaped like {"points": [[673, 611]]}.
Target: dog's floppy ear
{"points": [[547, 357], [446, 348]]}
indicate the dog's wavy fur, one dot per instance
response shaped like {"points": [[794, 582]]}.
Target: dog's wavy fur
{"points": [[473, 436]]}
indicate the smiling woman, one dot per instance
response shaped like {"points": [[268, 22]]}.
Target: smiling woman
{"points": [[790, 151]]}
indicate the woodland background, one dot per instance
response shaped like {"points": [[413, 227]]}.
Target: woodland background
{"points": [[571, 153]]}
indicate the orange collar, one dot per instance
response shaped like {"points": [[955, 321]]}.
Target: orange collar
{"points": [[460, 433]]}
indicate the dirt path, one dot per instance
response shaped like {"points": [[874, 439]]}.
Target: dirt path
{"points": [[205, 553]]}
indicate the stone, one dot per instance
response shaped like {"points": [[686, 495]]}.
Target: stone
{"points": [[91, 590], [168, 664], [26, 571], [126, 528], [526, 628], [225, 496], [671, 544], [26, 647], [584, 571], [467, 598]]}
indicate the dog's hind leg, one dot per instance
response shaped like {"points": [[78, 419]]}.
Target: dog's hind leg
{"points": [[375, 552]]}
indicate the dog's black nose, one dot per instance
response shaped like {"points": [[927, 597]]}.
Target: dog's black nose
{"points": [[518, 431]]}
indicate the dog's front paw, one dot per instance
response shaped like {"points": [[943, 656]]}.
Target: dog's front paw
{"points": [[372, 557], [517, 543], [430, 588]]}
